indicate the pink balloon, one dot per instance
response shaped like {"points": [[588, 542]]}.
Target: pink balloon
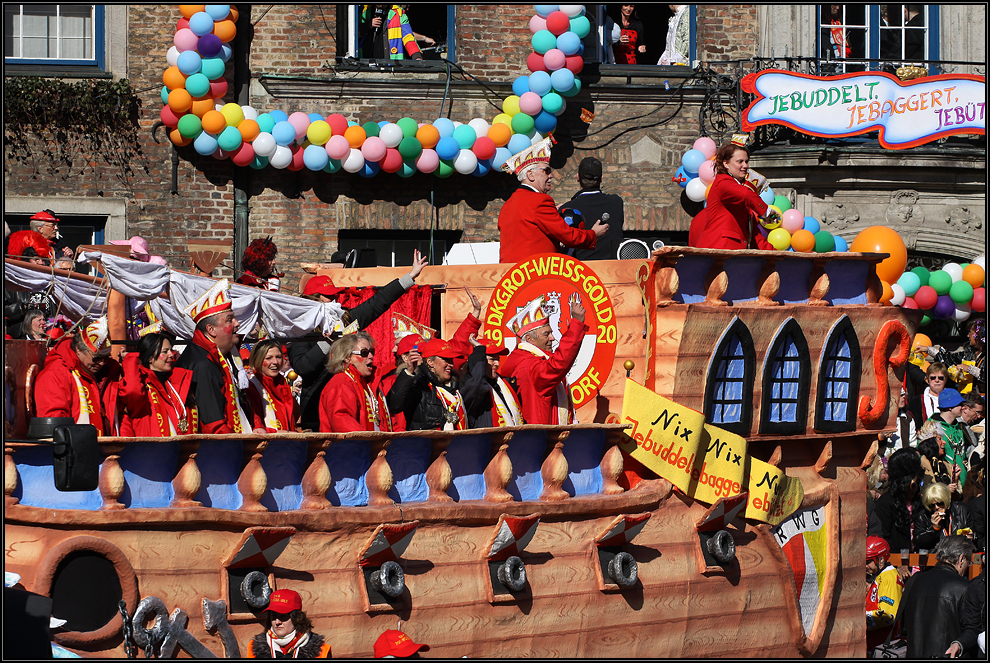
{"points": [[706, 146], [554, 59], [337, 147], [185, 40], [706, 173], [427, 161], [530, 103], [537, 23], [484, 147], [373, 148], [300, 121], [297, 158], [793, 221]]}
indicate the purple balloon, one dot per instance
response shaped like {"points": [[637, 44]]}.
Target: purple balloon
{"points": [[944, 307], [209, 46]]}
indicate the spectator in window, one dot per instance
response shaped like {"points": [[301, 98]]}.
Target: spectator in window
{"points": [[895, 506], [153, 392], [388, 34], [941, 516], [678, 42], [429, 396], [289, 633], [349, 402], [914, 33], [890, 38], [631, 36], [272, 404], [46, 223], [593, 204]]}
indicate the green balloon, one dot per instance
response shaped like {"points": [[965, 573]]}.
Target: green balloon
{"points": [[198, 85], [189, 125], [553, 102], [165, 92], [259, 163], [543, 41], [782, 202], [410, 148], [824, 242], [964, 265], [409, 127], [581, 26], [213, 68], [961, 292], [925, 319], [445, 169], [574, 89], [941, 281], [370, 128], [522, 123], [922, 274], [229, 139], [407, 169], [332, 166], [266, 122]]}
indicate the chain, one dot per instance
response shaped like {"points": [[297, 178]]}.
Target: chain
{"points": [[128, 631]]}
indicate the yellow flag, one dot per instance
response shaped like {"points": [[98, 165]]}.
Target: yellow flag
{"points": [[773, 495]]}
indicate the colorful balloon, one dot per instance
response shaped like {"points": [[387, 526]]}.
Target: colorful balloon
{"points": [[558, 23], [880, 239], [554, 59], [706, 172], [784, 203], [803, 241], [692, 160], [898, 297], [979, 301], [954, 270], [779, 238], [887, 294], [695, 190], [706, 146], [941, 281], [428, 161], [960, 292], [974, 275], [926, 297], [824, 241], [944, 307], [910, 282]]}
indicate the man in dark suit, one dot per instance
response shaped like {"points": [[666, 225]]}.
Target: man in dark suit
{"points": [[593, 204]]}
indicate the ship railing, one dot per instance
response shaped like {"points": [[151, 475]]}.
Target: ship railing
{"points": [[314, 471]]}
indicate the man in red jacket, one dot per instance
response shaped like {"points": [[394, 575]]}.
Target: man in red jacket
{"points": [[529, 222]]}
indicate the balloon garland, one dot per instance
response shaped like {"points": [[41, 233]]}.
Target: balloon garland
{"points": [[193, 110]]}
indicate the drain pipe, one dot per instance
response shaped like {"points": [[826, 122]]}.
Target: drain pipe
{"points": [[242, 95]]}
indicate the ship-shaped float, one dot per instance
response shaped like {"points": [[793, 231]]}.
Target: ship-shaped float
{"points": [[530, 541]]}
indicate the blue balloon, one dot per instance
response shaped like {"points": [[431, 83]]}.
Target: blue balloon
{"points": [[218, 12], [448, 147], [370, 169], [207, 144], [767, 196], [520, 86], [313, 117], [283, 132], [315, 157], [213, 68], [189, 62], [562, 80], [278, 116], [546, 122], [483, 168], [502, 155], [445, 127], [545, 10], [465, 137], [518, 143], [201, 24], [681, 177], [266, 122], [843, 245], [569, 43], [574, 89], [225, 52], [407, 169], [811, 224], [692, 161], [259, 162], [382, 123], [539, 82]]}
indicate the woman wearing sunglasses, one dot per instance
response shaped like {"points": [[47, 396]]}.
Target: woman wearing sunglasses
{"points": [[153, 392], [941, 516], [273, 407], [349, 402]]}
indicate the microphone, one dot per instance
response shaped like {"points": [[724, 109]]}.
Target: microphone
{"points": [[605, 217]]}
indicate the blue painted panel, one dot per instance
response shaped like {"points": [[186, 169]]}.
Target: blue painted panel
{"points": [[691, 273], [220, 463], [742, 274], [468, 457], [348, 461], [794, 275], [409, 457], [149, 468], [583, 451], [36, 483], [526, 453], [847, 282], [284, 462]]}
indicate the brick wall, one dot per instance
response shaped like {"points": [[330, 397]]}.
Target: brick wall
{"points": [[726, 32]]}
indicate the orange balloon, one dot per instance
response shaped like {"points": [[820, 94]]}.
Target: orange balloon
{"points": [[174, 79], [921, 339], [189, 10], [225, 29], [803, 241], [888, 292], [355, 136], [880, 239], [201, 106], [178, 138], [233, 14], [249, 129], [428, 136], [974, 275], [500, 134], [179, 100], [214, 122]]}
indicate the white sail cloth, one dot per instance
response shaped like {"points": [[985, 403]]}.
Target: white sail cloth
{"points": [[79, 298]]}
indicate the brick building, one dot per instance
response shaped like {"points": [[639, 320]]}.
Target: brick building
{"points": [[307, 58]]}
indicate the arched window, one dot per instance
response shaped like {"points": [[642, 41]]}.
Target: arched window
{"points": [[729, 382], [786, 382], [838, 379]]}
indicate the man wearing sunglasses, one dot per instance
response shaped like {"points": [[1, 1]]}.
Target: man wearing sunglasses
{"points": [[529, 222], [46, 223]]}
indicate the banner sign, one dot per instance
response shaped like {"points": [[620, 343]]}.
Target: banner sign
{"points": [[703, 461], [907, 114]]}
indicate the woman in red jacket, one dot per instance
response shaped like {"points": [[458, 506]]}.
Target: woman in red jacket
{"points": [[154, 393], [348, 402], [273, 406], [730, 220]]}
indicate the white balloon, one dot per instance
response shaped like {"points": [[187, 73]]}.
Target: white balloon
{"points": [[172, 57], [696, 190], [981, 261], [563, 107], [354, 161], [391, 134], [480, 126], [534, 137], [962, 313], [264, 144], [218, 106], [572, 10], [898, 297], [465, 162], [249, 113], [954, 270], [281, 158]]}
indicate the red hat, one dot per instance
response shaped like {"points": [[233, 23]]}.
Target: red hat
{"points": [[877, 548], [321, 285], [493, 348], [29, 239], [408, 343], [438, 347], [284, 601], [397, 644], [45, 215]]}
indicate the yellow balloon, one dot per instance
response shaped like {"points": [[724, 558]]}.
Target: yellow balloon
{"points": [[232, 113], [318, 132], [511, 105], [773, 219], [779, 239], [503, 118]]}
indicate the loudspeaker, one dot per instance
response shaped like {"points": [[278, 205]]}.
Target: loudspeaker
{"points": [[76, 457]]}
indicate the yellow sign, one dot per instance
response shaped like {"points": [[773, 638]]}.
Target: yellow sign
{"points": [[703, 461]]}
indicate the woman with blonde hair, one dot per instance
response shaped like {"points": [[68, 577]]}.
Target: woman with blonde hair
{"points": [[349, 402], [273, 406], [940, 517]]}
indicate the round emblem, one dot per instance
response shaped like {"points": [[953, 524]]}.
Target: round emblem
{"points": [[558, 279]]}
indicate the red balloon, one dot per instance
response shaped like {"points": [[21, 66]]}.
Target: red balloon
{"points": [[183, 23], [484, 147], [218, 88], [535, 62], [243, 155], [169, 117], [338, 124], [558, 23], [575, 63], [979, 302], [909, 303], [297, 158], [926, 297], [392, 161]]}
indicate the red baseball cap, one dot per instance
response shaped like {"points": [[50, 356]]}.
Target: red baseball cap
{"points": [[284, 601], [438, 347], [321, 285], [397, 644], [408, 343], [45, 215], [493, 348]]}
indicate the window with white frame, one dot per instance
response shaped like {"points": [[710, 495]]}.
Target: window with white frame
{"points": [[429, 25], [891, 34], [46, 34]]}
